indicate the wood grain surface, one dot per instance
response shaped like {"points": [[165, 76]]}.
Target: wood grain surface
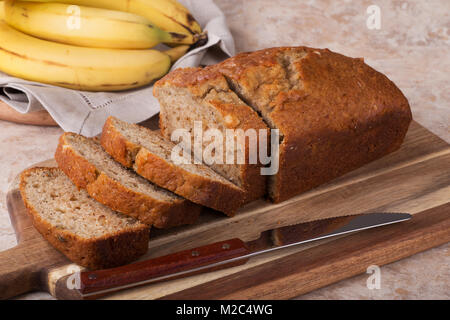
{"points": [[414, 179], [305, 270], [39, 118]]}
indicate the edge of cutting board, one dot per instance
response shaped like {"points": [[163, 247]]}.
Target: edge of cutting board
{"points": [[413, 179], [303, 271], [38, 118]]}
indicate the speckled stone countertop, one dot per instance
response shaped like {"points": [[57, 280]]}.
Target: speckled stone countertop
{"points": [[412, 47]]}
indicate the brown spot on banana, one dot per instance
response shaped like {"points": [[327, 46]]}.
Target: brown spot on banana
{"points": [[29, 58], [107, 85], [103, 85], [186, 27], [190, 18], [178, 36]]}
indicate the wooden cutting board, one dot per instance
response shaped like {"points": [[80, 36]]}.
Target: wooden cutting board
{"points": [[39, 118], [415, 179]]}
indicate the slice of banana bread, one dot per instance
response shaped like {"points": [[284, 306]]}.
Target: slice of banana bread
{"points": [[149, 154], [86, 163], [84, 230]]}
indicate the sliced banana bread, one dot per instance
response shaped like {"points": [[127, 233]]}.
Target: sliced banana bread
{"points": [[194, 95], [334, 113], [87, 232], [149, 154], [86, 163]]}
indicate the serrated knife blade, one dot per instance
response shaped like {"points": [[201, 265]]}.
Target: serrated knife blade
{"points": [[224, 254]]}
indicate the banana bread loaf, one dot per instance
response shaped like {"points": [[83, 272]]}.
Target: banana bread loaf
{"points": [[334, 113]]}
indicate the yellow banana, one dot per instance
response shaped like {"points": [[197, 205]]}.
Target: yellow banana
{"points": [[88, 27], [90, 69], [168, 15], [2, 10], [176, 52]]}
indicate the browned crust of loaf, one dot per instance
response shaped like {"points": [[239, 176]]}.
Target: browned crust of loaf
{"points": [[195, 188], [111, 193], [148, 210], [344, 115], [188, 77], [122, 150], [104, 252], [198, 81], [333, 91], [370, 142]]}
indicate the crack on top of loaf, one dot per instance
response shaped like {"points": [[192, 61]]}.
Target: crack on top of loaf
{"points": [[209, 90], [288, 62], [233, 87]]}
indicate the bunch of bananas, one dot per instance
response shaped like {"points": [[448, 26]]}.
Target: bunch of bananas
{"points": [[94, 45]]}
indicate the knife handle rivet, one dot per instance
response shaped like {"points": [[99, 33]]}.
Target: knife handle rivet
{"points": [[92, 276], [195, 253], [225, 246]]}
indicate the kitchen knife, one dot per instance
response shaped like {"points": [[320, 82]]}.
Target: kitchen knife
{"points": [[223, 254]]}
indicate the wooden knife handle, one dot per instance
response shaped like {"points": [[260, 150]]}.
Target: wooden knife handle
{"points": [[96, 281]]}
